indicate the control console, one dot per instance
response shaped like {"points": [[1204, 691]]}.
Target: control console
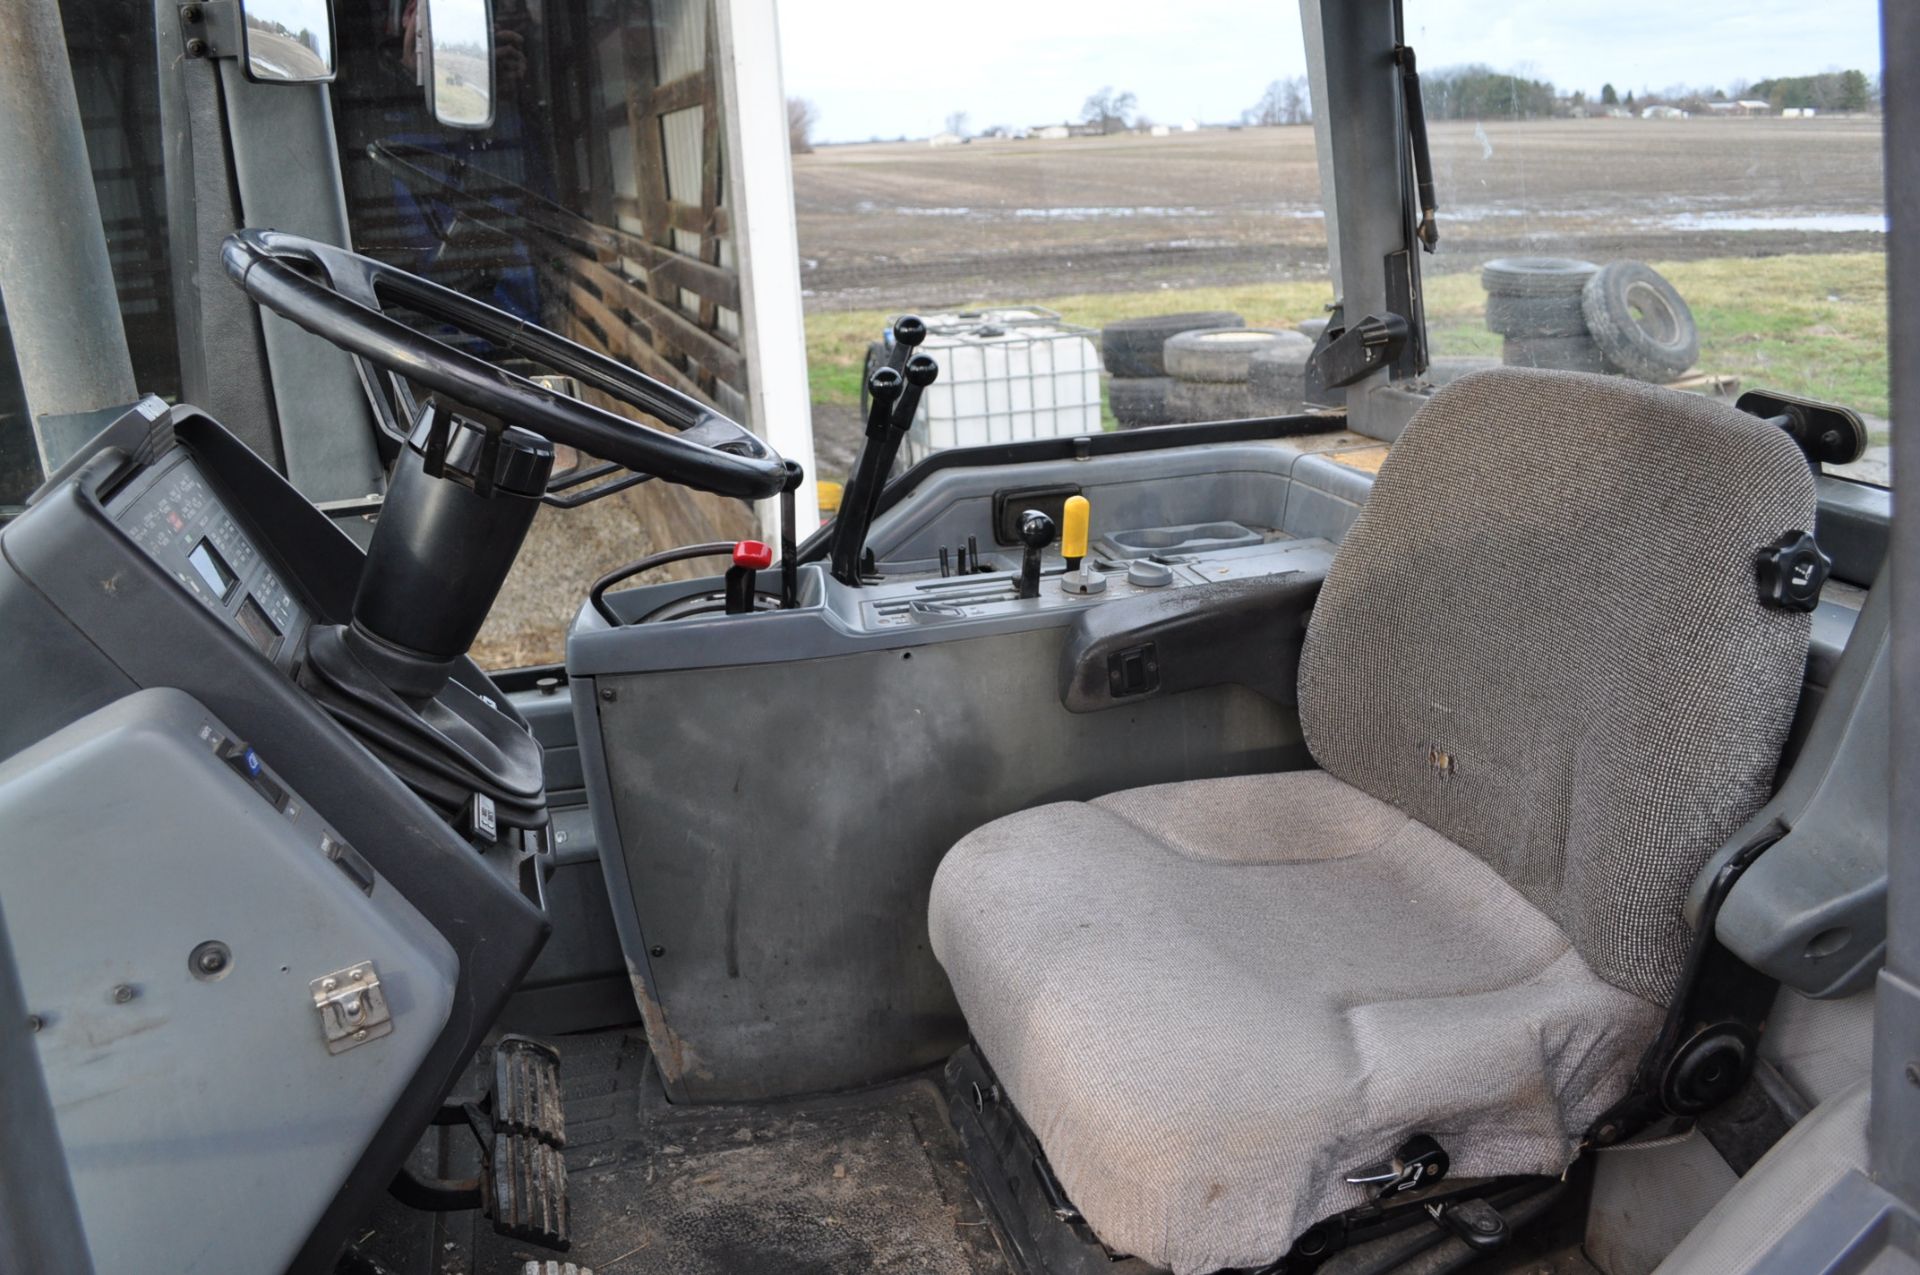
{"points": [[172, 514]]}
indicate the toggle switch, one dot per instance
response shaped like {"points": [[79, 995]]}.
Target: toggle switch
{"points": [[1081, 577]]}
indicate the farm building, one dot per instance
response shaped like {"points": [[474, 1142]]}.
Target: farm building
{"points": [[1663, 113]]}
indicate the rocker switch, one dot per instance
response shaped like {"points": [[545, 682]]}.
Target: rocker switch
{"points": [[1134, 671]]}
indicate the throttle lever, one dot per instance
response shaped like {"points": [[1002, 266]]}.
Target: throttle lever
{"points": [[750, 557]]}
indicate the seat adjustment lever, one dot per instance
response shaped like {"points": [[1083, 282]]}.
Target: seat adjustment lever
{"points": [[1419, 1160]]}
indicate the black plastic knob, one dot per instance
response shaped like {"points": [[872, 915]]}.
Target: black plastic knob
{"points": [[1036, 529], [1791, 572]]}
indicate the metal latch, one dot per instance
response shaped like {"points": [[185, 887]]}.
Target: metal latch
{"points": [[1351, 353], [352, 1008]]}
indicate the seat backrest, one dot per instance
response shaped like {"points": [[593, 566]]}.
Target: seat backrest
{"points": [[1543, 638]]}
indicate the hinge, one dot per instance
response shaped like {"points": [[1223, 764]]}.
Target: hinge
{"points": [[352, 1008]]}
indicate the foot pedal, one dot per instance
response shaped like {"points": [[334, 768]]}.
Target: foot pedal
{"points": [[528, 1169], [526, 1091]]}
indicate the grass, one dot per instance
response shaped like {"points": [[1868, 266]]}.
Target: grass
{"points": [[1814, 325]]}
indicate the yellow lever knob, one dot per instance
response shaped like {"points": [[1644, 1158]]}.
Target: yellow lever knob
{"points": [[1073, 535]]}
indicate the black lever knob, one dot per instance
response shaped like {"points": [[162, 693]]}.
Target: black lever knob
{"points": [[1036, 533], [1036, 529]]}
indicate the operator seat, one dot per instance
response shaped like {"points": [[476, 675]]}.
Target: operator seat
{"points": [[1542, 688]]}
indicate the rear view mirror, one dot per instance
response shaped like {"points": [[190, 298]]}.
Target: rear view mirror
{"points": [[287, 41], [455, 44]]}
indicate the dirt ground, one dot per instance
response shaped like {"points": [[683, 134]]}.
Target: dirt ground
{"points": [[909, 224]]}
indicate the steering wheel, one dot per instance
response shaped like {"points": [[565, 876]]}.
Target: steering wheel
{"points": [[337, 295]]}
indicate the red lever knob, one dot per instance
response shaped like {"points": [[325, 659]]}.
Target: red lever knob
{"points": [[753, 555]]}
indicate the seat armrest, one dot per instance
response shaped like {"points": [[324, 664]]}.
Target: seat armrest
{"points": [[1233, 632]]}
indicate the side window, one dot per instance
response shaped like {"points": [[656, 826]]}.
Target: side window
{"points": [[110, 46], [1719, 235], [595, 205]]}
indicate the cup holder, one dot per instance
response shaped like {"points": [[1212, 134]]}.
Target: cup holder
{"points": [[1197, 537]]}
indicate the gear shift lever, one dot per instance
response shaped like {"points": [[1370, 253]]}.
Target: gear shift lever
{"points": [[1036, 533]]}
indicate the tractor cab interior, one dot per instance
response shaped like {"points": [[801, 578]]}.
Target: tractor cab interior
{"points": [[1448, 827]]}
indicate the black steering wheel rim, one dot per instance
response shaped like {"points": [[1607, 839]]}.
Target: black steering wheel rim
{"points": [[343, 306]]}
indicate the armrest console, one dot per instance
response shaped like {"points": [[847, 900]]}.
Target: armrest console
{"points": [[1235, 632]]}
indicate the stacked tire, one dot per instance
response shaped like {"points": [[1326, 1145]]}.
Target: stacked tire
{"points": [[1558, 312], [1277, 376], [1139, 389], [1213, 371]]}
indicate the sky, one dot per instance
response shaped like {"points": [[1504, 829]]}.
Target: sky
{"points": [[891, 70]]}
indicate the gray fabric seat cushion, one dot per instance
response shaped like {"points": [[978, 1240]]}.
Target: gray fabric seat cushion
{"points": [[1212, 999], [1554, 652], [1544, 690]]}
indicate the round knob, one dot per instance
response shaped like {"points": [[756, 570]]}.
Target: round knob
{"points": [[1149, 575], [1036, 529]]}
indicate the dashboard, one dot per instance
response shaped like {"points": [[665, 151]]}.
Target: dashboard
{"points": [[164, 556], [173, 515]]}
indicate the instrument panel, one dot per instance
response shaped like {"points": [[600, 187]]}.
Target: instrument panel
{"points": [[175, 517]]}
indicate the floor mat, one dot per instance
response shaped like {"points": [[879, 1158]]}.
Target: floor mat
{"points": [[864, 1182]]}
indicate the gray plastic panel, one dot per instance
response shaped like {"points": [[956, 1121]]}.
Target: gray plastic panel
{"points": [[206, 1124], [1811, 911], [775, 907]]}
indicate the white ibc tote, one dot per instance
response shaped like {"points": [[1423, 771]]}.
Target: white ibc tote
{"points": [[1006, 374]]}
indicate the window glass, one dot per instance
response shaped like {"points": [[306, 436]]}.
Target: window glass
{"points": [[110, 46], [1029, 176], [595, 205], [1736, 158]]}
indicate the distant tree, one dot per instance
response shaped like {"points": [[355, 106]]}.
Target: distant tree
{"points": [[957, 123], [1855, 93], [1480, 92], [1629, 102], [1828, 91], [1284, 102], [1608, 97], [1110, 110], [802, 116]]}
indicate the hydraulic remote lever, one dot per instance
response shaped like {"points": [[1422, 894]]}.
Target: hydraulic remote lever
{"points": [[1036, 533], [894, 390], [749, 558]]}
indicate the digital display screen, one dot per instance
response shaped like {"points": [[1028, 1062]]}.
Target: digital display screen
{"points": [[213, 569], [258, 626]]}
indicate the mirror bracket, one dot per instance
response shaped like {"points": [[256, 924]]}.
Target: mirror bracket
{"points": [[210, 28]]}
